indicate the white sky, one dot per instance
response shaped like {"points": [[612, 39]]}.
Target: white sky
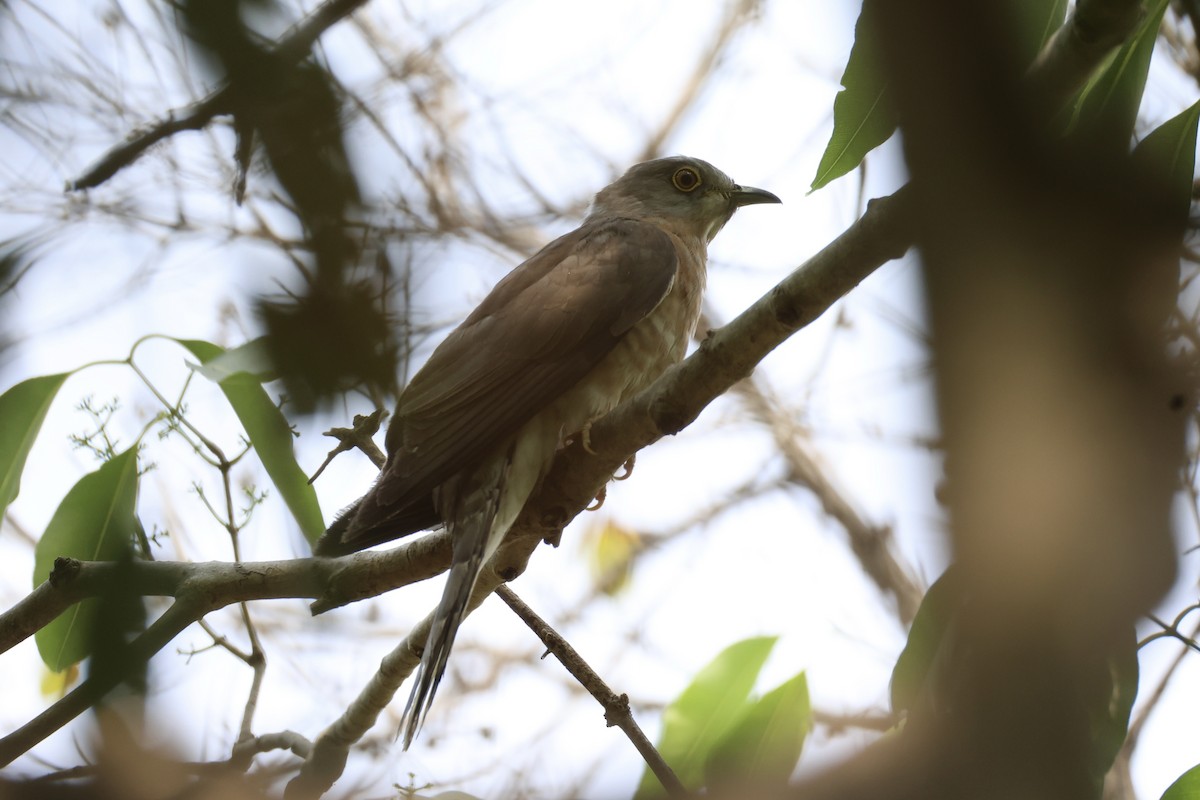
{"points": [[567, 92]]}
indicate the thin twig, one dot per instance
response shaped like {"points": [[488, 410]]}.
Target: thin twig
{"points": [[1148, 706], [293, 46], [737, 14], [871, 543], [616, 707]]}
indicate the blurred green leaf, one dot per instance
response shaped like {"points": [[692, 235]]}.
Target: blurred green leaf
{"points": [[929, 629], [1036, 21], [330, 341], [22, 409], [94, 522], [271, 436], [930, 662], [1109, 694], [862, 116], [764, 744], [610, 549], [705, 711], [1168, 155], [1166, 159], [1186, 787], [1106, 108], [253, 358]]}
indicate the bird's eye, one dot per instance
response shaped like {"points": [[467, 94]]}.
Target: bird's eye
{"points": [[685, 179]]}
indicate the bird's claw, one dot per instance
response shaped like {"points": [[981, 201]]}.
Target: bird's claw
{"points": [[627, 468], [599, 500], [585, 438]]}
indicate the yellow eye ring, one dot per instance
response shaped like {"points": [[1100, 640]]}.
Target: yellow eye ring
{"points": [[686, 179]]}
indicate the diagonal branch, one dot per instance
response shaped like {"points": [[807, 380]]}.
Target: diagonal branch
{"points": [[738, 13], [871, 543], [294, 46], [669, 405], [726, 356], [616, 707], [181, 614]]}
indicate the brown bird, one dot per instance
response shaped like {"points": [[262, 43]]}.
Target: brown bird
{"points": [[591, 319]]}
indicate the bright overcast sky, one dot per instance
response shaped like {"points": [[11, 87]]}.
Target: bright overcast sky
{"points": [[568, 93]]}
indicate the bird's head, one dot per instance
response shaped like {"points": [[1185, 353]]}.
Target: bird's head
{"points": [[686, 193]]}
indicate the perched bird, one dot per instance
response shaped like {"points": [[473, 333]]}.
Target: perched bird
{"points": [[591, 319]]}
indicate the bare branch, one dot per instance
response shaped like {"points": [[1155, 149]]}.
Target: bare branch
{"points": [[332, 582], [293, 46], [737, 14], [616, 707], [725, 357], [181, 614], [870, 543]]}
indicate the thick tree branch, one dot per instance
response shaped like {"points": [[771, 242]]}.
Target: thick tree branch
{"points": [[1033, 253], [332, 582], [668, 406], [724, 357]]}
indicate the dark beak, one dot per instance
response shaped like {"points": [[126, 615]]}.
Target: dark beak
{"points": [[748, 196]]}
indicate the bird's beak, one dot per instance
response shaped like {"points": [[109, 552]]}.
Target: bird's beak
{"points": [[748, 196]]}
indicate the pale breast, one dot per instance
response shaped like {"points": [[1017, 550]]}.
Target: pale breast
{"points": [[645, 352], [639, 358]]}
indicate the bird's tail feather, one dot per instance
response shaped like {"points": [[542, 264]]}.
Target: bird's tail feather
{"points": [[472, 527], [449, 615]]}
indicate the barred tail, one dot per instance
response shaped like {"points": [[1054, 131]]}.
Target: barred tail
{"points": [[472, 525], [449, 615]]}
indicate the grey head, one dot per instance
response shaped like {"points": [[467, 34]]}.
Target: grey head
{"points": [[687, 195]]}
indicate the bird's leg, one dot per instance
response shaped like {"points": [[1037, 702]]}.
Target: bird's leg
{"points": [[585, 436]]}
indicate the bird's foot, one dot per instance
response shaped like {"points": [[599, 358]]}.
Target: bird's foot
{"points": [[599, 500], [627, 468], [585, 437]]}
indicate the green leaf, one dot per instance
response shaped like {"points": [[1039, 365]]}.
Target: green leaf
{"points": [[253, 358], [863, 118], [1168, 155], [1106, 108], [929, 628], [705, 711], [1036, 22], [271, 436], [1166, 159], [1186, 787], [94, 522], [1109, 691], [22, 409], [764, 744]]}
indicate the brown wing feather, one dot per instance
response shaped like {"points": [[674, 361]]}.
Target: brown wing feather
{"points": [[537, 334]]}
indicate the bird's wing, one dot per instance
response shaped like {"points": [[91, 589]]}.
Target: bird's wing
{"points": [[539, 332]]}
